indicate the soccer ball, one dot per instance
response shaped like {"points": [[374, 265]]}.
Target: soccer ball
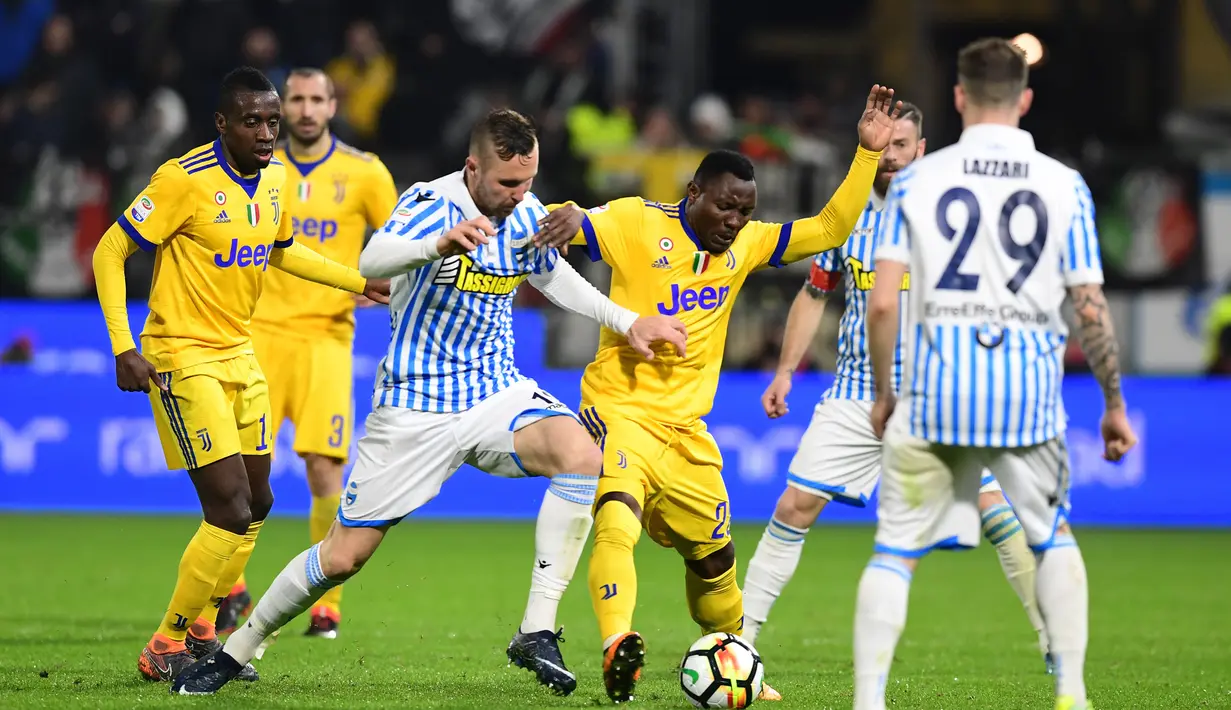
{"points": [[721, 671]]}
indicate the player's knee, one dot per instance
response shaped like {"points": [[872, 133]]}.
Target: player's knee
{"points": [[619, 498], [262, 503], [799, 509], [578, 455], [342, 555], [234, 516], [715, 564]]}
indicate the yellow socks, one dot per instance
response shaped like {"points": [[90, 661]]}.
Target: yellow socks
{"points": [[321, 516], [204, 562], [613, 576], [716, 604], [204, 626]]}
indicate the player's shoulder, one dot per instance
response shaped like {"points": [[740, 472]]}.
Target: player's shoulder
{"points": [[196, 163], [347, 151]]}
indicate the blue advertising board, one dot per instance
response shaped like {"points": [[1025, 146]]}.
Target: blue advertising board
{"points": [[71, 441]]}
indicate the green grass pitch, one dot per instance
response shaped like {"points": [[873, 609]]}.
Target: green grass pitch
{"points": [[427, 621]]}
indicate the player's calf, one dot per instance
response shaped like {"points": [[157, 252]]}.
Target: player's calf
{"points": [[777, 556], [1063, 593], [714, 597], [1002, 528]]}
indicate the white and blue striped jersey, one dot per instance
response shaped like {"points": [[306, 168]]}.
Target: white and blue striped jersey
{"points": [[856, 263], [452, 319], [994, 233]]}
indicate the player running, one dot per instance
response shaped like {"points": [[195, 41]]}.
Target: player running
{"points": [[839, 456], [303, 332], [448, 392], [993, 233], [215, 221], [662, 470]]}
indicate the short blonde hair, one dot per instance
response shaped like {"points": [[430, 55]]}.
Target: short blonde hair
{"points": [[992, 71]]}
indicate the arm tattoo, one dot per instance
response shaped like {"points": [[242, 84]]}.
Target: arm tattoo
{"points": [[1098, 342]]}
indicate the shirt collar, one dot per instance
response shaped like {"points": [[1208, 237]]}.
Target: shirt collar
{"points": [[997, 135]]}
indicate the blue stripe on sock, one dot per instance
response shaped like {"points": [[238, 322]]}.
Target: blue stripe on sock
{"points": [[898, 569], [996, 511], [1007, 534], [999, 527], [786, 533], [574, 487]]}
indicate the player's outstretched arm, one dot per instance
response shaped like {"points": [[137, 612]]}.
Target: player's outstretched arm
{"points": [[133, 373], [299, 260], [831, 227], [801, 324], [1097, 337]]}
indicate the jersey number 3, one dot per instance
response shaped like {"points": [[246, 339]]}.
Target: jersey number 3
{"points": [[952, 279]]}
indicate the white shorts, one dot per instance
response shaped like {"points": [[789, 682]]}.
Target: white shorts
{"points": [[405, 455], [839, 458], [929, 495]]}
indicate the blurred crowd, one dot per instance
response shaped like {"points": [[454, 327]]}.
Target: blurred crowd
{"points": [[95, 94]]}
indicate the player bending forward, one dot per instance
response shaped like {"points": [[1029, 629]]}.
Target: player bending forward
{"points": [[448, 393], [993, 233], [215, 220], [303, 332], [662, 470], [839, 457]]}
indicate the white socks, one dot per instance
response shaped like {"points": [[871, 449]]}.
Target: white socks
{"points": [[770, 569], [1002, 529], [563, 525], [880, 615], [296, 588], [1064, 598]]}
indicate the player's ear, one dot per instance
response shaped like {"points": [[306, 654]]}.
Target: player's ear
{"points": [[959, 98], [472, 164], [694, 190], [220, 122], [923, 146], [1023, 104]]}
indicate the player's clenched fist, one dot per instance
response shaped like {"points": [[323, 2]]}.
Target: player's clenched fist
{"points": [[465, 237], [648, 331], [133, 373], [1118, 435], [374, 291], [774, 398]]}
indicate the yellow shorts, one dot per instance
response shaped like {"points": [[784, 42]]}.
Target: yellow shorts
{"points": [[311, 383], [212, 411], [675, 473]]}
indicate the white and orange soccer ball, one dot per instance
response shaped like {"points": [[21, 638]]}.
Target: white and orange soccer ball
{"points": [[721, 671]]}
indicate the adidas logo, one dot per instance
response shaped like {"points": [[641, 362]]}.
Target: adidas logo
{"points": [[222, 218], [661, 263]]}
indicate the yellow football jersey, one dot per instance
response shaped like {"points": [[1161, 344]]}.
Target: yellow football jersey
{"points": [[659, 267], [212, 232], [332, 200]]}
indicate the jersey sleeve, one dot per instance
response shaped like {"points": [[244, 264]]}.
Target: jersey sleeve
{"points": [[381, 196], [825, 274], [419, 213], [162, 209], [892, 241], [782, 244], [607, 230], [1081, 262]]}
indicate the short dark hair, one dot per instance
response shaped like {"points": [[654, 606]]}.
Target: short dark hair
{"points": [[508, 132], [993, 71], [308, 73], [722, 162], [242, 80], [912, 113]]}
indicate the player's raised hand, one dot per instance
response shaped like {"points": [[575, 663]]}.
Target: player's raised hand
{"points": [[882, 409], [1118, 436], [557, 228], [876, 123], [648, 331], [774, 398], [133, 373], [466, 237], [375, 291]]}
